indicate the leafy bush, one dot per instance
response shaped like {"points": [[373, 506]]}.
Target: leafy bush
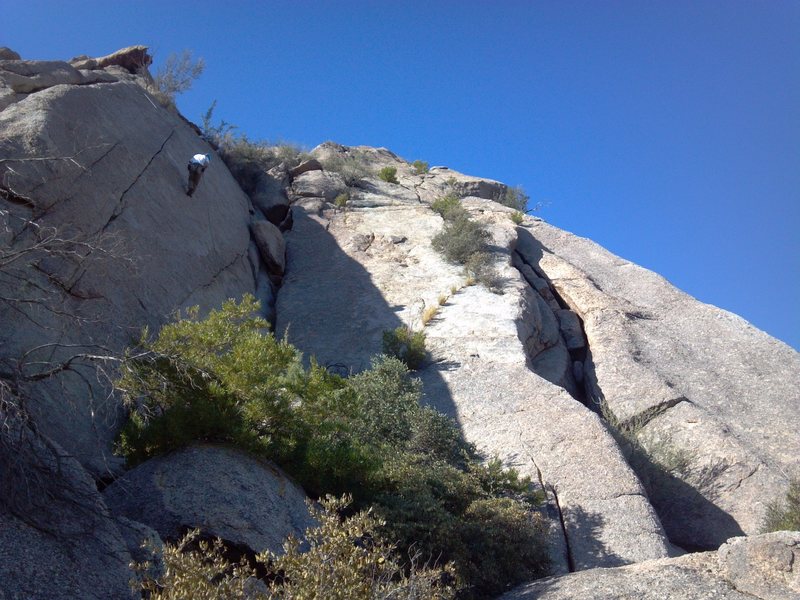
{"points": [[420, 167], [177, 75], [246, 159], [388, 174], [785, 516], [517, 217], [346, 559], [406, 345], [449, 207], [227, 379], [515, 197], [342, 200], [460, 239]]}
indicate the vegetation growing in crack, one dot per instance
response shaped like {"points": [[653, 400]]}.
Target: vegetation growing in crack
{"points": [[784, 515], [248, 159], [226, 379], [464, 241], [406, 345], [663, 468], [388, 174], [420, 167], [352, 166], [176, 76], [514, 197]]}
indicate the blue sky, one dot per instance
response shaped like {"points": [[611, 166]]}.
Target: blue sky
{"points": [[668, 132]]}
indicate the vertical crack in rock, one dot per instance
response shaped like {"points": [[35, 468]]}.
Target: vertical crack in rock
{"points": [[121, 202], [570, 560], [550, 490], [557, 349]]}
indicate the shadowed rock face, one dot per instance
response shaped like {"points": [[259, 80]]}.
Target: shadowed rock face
{"points": [[764, 567], [103, 163], [352, 274], [713, 401]]}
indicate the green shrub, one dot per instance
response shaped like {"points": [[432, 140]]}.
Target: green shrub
{"points": [[517, 217], [406, 345], [420, 167], [227, 379], [388, 174], [176, 76], [515, 197], [345, 559], [352, 166], [460, 239], [342, 200], [247, 159], [785, 516], [449, 207]]}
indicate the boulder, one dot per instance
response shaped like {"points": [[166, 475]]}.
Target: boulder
{"points": [[307, 165], [57, 540], [439, 181], [571, 329], [221, 491], [26, 76], [8, 54], [271, 246], [712, 400], [269, 194], [318, 184], [766, 567], [134, 59], [115, 184]]}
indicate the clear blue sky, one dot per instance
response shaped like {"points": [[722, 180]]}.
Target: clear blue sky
{"points": [[668, 132]]}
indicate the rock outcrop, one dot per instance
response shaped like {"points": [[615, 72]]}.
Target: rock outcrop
{"points": [[631, 404], [379, 271], [765, 567], [92, 182], [713, 401], [221, 491]]}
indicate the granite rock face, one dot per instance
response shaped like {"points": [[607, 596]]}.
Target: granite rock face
{"points": [[57, 539], [223, 492], [96, 166], [764, 567], [713, 402], [351, 274]]}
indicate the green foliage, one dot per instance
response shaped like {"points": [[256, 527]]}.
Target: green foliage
{"points": [[460, 239], [352, 166], [449, 207], [420, 167], [345, 559], [515, 197], [406, 345], [517, 217], [342, 200], [388, 174], [177, 75], [227, 379], [785, 516], [247, 159]]}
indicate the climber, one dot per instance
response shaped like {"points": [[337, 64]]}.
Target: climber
{"points": [[197, 166]]}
